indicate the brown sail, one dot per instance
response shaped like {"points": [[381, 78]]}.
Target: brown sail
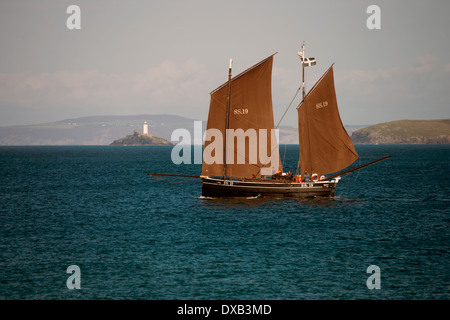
{"points": [[325, 146], [250, 116]]}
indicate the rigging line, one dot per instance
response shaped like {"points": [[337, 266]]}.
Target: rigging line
{"points": [[303, 99], [356, 178], [287, 109], [295, 96]]}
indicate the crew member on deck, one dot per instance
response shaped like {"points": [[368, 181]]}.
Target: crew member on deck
{"points": [[307, 177], [277, 175]]}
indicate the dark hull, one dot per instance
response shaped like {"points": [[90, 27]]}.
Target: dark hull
{"points": [[218, 188]]}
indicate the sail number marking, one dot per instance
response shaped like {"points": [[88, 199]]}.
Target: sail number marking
{"points": [[240, 111], [321, 104]]}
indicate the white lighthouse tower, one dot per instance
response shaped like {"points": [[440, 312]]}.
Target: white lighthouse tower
{"points": [[145, 130]]}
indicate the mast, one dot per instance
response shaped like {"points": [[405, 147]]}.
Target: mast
{"points": [[306, 110], [227, 122], [302, 57], [303, 72]]}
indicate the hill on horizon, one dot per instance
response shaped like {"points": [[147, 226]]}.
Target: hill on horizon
{"points": [[104, 129], [405, 132], [92, 130]]}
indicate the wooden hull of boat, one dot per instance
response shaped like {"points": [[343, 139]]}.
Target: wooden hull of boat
{"points": [[219, 188]]}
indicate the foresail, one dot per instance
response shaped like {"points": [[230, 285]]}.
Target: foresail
{"points": [[251, 143], [325, 146]]}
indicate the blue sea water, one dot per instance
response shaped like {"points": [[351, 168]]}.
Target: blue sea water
{"points": [[134, 237]]}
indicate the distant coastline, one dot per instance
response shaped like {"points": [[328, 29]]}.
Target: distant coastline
{"points": [[92, 130], [105, 130], [405, 132]]}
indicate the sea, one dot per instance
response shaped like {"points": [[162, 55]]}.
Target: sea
{"points": [[88, 223]]}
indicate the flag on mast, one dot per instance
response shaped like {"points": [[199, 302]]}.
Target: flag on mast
{"points": [[307, 61]]}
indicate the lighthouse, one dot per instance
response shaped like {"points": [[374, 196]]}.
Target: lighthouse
{"points": [[145, 130]]}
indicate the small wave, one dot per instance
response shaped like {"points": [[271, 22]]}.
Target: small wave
{"points": [[231, 198], [203, 197]]}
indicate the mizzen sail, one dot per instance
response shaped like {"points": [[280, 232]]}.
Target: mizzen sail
{"points": [[325, 146], [250, 116]]}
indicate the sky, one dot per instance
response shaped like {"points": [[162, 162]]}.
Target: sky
{"points": [[165, 57]]}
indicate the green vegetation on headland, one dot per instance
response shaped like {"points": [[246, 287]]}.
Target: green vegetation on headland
{"points": [[139, 139], [405, 132]]}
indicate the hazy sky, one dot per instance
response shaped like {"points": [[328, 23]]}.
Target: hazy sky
{"points": [[154, 57]]}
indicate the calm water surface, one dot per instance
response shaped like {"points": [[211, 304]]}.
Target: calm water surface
{"points": [[137, 238]]}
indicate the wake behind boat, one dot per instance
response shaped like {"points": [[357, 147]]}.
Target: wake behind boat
{"points": [[241, 156]]}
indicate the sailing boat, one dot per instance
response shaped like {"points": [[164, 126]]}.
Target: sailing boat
{"points": [[241, 155]]}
